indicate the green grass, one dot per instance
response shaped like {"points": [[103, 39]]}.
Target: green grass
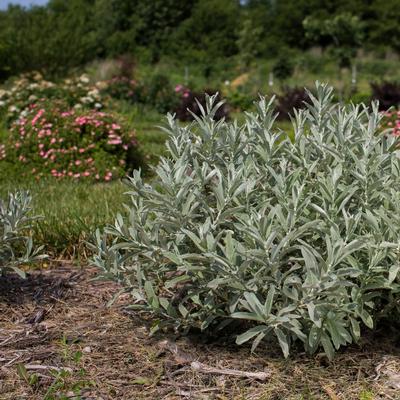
{"points": [[70, 211]]}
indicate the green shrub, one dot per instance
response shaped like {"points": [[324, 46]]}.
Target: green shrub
{"points": [[55, 140], [293, 240], [16, 248], [158, 92], [358, 98], [240, 100], [283, 67], [122, 88]]}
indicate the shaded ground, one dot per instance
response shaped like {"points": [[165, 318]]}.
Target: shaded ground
{"points": [[59, 340]]}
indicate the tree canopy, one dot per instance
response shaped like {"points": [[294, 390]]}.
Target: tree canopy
{"points": [[66, 34]]}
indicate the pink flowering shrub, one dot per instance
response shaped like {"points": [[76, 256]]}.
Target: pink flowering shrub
{"points": [[391, 122], [55, 140], [121, 88]]}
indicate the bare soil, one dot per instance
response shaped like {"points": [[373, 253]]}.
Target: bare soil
{"points": [[60, 340]]}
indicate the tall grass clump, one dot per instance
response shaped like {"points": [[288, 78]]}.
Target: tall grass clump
{"points": [[295, 240]]}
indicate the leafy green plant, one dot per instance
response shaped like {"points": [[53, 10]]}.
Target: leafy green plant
{"points": [[358, 98], [121, 88], [292, 239], [283, 67], [16, 248], [240, 99], [158, 91]]}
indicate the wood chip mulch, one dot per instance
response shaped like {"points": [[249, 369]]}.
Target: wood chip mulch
{"points": [[60, 340]]}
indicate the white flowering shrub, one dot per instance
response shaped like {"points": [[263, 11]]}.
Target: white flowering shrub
{"points": [[296, 240], [16, 246], [30, 89]]}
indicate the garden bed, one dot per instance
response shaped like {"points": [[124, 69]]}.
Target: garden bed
{"points": [[59, 340]]}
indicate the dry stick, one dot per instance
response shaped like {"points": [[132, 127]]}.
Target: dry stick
{"points": [[47, 367], [7, 340], [330, 392], [12, 361], [185, 393], [183, 358], [200, 367]]}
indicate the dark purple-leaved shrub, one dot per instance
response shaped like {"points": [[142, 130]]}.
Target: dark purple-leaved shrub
{"points": [[291, 97], [189, 104], [387, 93]]}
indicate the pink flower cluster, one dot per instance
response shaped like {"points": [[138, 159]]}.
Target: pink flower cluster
{"points": [[54, 140], [182, 90], [392, 121], [2, 151]]}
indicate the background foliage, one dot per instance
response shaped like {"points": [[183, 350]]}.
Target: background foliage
{"points": [[67, 34]]}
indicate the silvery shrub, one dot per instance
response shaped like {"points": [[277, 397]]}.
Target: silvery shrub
{"points": [[16, 245], [294, 239]]}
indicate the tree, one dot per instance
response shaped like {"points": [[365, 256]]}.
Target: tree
{"points": [[248, 42], [156, 21], [210, 32], [383, 24], [342, 33], [116, 27]]}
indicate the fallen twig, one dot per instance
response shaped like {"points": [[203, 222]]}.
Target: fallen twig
{"points": [[200, 367], [12, 361], [330, 392], [184, 358], [47, 368], [189, 394]]}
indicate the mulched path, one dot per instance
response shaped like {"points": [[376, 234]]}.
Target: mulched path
{"points": [[60, 340]]}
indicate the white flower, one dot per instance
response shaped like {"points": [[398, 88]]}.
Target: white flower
{"points": [[48, 84], [98, 105], [101, 84], [32, 97], [93, 92], [78, 106], [37, 76], [86, 100], [84, 78]]}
